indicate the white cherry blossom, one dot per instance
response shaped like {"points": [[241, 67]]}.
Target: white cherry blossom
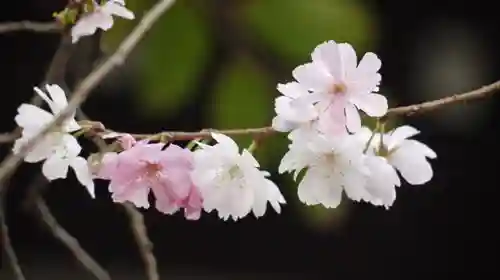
{"points": [[332, 166], [230, 182], [294, 107], [101, 17], [408, 156], [341, 85], [58, 148]]}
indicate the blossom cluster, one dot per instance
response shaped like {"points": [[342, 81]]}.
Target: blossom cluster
{"points": [[320, 110]]}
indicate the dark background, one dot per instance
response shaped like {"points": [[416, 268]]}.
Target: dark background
{"points": [[446, 228]]}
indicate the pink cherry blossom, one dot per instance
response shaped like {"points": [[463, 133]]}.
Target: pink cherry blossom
{"points": [[341, 85], [148, 167]]}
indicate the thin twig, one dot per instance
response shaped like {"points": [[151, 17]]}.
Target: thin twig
{"points": [[70, 242], [9, 136], [7, 244], [439, 103], [87, 85], [142, 240], [46, 27]]}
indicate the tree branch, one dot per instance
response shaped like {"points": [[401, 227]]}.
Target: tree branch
{"points": [[99, 129], [480, 93], [142, 240], [39, 27], [87, 85], [69, 241], [7, 244]]}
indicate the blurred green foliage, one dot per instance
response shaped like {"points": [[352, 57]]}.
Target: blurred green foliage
{"points": [[172, 57]]}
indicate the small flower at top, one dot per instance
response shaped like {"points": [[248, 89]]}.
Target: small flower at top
{"points": [[58, 148], [340, 85], [230, 182], [99, 17]]}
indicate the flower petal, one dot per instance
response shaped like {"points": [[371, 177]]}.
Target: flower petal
{"points": [[32, 118], [282, 125], [414, 168], [313, 77], [398, 135], [373, 104], [226, 142], [328, 55], [353, 120], [83, 174], [369, 64], [55, 168], [113, 8], [348, 58]]}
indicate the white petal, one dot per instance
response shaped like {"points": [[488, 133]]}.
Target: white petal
{"points": [[227, 142], [349, 58], [55, 168], [313, 77], [418, 148], [328, 55], [58, 97], [353, 119], [282, 125], [71, 146], [307, 188], [292, 89], [398, 135], [32, 118], [369, 64], [414, 168], [112, 8], [43, 149], [83, 174], [382, 181], [373, 104], [83, 27], [249, 159]]}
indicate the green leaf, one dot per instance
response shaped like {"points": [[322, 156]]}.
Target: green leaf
{"points": [[293, 28]]}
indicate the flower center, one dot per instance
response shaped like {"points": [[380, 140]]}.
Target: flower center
{"points": [[152, 169], [338, 88], [235, 172]]}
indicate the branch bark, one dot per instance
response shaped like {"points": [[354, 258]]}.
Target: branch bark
{"points": [[69, 241], [39, 27], [143, 242]]}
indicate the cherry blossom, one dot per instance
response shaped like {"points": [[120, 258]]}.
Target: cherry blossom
{"points": [[100, 17], [230, 182], [149, 167], [332, 167], [58, 148], [341, 86], [408, 156], [294, 108]]}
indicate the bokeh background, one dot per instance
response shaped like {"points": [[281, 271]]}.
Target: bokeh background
{"points": [[216, 63]]}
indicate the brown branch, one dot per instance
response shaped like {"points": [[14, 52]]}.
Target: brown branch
{"points": [[87, 85], [424, 107], [7, 244], [8, 137], [70, 242], [143, 242], [40, 27], [439, 103]]}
